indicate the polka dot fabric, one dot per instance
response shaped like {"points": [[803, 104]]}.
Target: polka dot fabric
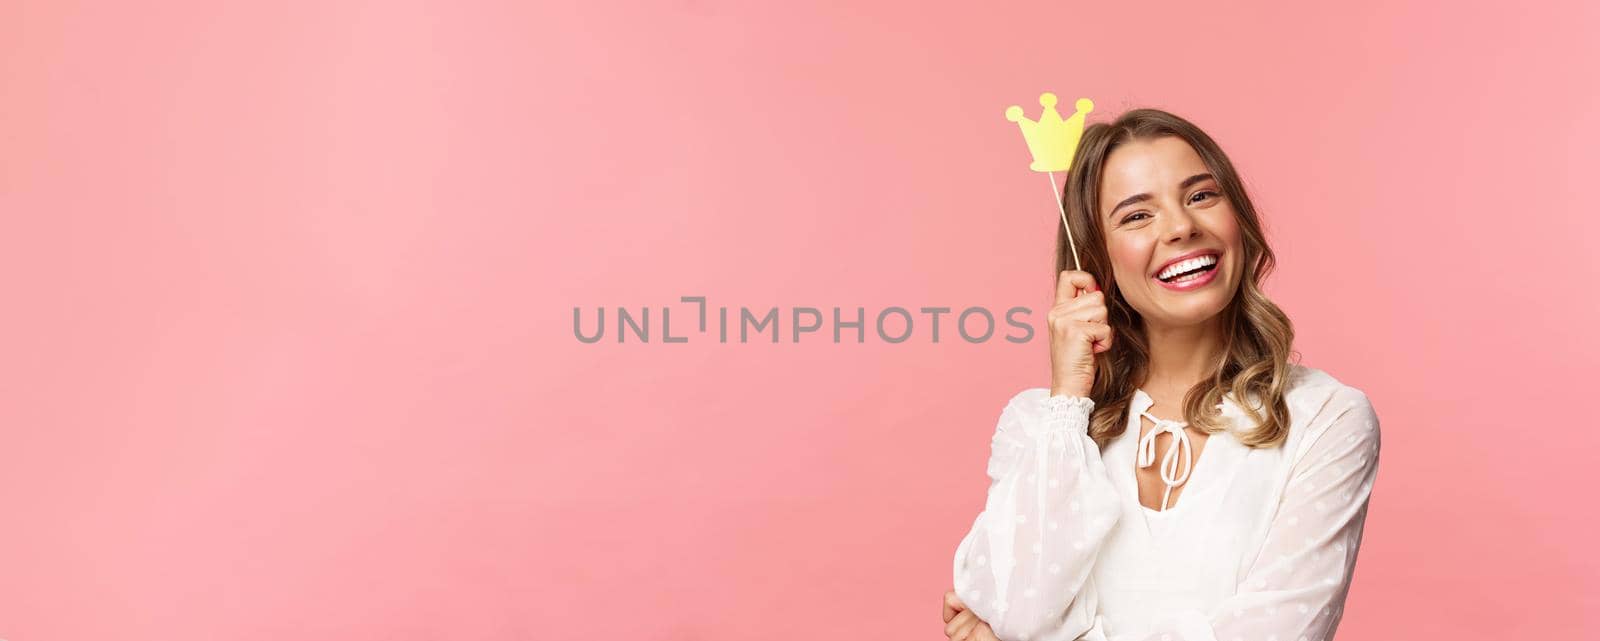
{"points": [[1061, 550], [1050, 506]]}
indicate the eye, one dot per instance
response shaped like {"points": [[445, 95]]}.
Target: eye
{"points": [[1130, 218], [1200, 193]]}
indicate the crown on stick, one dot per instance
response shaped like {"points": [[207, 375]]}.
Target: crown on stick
{"points": [[1052, 140]]}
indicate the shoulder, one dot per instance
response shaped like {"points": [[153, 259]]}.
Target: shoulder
{"points": [[1322, 407]]}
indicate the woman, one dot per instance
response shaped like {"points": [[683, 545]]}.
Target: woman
{"points": [[1094, 527]]}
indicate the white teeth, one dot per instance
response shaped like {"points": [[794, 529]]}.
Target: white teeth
{"points": [[1183, 266]]}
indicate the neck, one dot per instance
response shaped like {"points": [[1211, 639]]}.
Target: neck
{"points": [[1181, 356]]}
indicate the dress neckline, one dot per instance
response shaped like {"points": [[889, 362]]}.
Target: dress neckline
{"points": [[1138, 392], [1151, 510], [1177, 467]]}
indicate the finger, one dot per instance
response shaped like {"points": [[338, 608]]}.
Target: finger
{"points": [[960, 620], [1090, 306], [957, 621], [952, 605], [1098, 335], [983, 633], [1105, 343], [1072, 282], [965, 633]]}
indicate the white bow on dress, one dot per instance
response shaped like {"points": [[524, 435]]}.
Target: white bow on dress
{"points": [[1170, 474]]}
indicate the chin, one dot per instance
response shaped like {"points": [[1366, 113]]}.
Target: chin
{"points": [[1194, 308], [1188, 317]]}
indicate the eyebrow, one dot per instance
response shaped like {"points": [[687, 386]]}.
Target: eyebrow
{"points": [[1139, 198]]}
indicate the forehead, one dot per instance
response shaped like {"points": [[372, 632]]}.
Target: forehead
{"points": [[1148, 166]]}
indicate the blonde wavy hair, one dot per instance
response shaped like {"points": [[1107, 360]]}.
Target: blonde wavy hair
{"points": [[1255, 366]]}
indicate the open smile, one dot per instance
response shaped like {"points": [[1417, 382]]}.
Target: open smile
{"points": [[1190, 274]]}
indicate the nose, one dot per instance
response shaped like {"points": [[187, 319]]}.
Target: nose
{"points": [[1180, 226]]}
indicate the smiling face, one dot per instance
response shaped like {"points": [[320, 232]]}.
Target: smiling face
{"points": [[1159, 202]]}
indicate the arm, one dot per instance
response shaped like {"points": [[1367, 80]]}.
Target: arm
{"points": [[1024, 566], [1296, 588]]}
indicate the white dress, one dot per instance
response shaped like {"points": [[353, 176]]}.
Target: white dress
{"points": [[1260, 546]]}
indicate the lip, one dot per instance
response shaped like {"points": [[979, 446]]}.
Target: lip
{"points": [[1203, 280], [1184, 257]]}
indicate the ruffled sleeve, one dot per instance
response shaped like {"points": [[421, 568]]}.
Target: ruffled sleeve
{"points": [[1024, 566], [1295, 590]]}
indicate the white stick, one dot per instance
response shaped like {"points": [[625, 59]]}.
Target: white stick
{"points": [[1055, 194]]}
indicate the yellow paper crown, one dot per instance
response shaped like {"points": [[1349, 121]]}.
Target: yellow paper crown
{"points": [[1052, 140]]}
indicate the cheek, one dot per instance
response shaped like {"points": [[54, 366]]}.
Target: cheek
{"points": [[1227, 228], [1232, 237], [1129, 259]]}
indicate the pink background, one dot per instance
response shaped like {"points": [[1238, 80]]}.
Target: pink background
{"points": [[289, 288]]}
